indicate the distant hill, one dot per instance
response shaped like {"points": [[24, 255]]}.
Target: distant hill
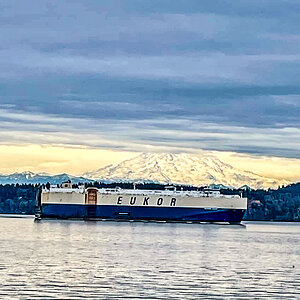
{"points": [[33, 178], [293, 188]]}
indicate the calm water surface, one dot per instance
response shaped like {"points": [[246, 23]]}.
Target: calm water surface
{"points": [[110, 260]]}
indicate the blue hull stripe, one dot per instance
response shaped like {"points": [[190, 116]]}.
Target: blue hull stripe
{"points": [[66, 211]]}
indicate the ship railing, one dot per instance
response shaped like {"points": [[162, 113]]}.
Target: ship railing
{"points": [[166, 193], [64, 190], [119, 191]]}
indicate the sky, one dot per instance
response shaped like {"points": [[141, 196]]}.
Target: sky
{"points": [[100, 81]]}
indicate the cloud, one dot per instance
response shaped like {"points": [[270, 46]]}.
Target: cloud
{"points": [[186, 135], [140, 75]]}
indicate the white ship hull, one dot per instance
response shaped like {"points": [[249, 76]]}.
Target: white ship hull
{"points": [[141, 205]]}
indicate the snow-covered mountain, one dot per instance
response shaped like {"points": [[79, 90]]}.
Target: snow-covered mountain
{"points": [[33, 178], [204, 169]]}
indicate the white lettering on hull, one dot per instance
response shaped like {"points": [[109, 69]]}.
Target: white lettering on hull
{"points": [[145, 202]]}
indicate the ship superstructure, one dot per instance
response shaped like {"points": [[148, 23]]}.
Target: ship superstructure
{"points": [[207, 205]]}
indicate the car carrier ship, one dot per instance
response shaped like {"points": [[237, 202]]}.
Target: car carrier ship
{"points": [[91, 203]]}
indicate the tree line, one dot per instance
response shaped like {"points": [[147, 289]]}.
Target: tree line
{"points": [[282, 204]]}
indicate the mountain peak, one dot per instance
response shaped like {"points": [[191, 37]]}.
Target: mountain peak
{"points": [[203, 169]]}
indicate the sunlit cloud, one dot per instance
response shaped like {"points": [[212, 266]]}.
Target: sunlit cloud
{"points": [[136, 135]]}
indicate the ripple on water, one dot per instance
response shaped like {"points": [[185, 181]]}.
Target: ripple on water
{"points": [[73, 260]]}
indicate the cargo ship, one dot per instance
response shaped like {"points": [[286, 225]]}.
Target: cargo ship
{"points": [[207, 205]]}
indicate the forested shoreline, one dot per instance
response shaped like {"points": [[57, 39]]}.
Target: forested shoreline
{"points": [[282, 204]]}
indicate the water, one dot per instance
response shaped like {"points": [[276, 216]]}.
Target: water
{"points": [[110, 260]]}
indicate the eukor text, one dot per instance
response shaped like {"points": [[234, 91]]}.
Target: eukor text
{"points": [[146, 201]]}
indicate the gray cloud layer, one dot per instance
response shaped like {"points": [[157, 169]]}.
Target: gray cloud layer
{"points": [[219, 75]]}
